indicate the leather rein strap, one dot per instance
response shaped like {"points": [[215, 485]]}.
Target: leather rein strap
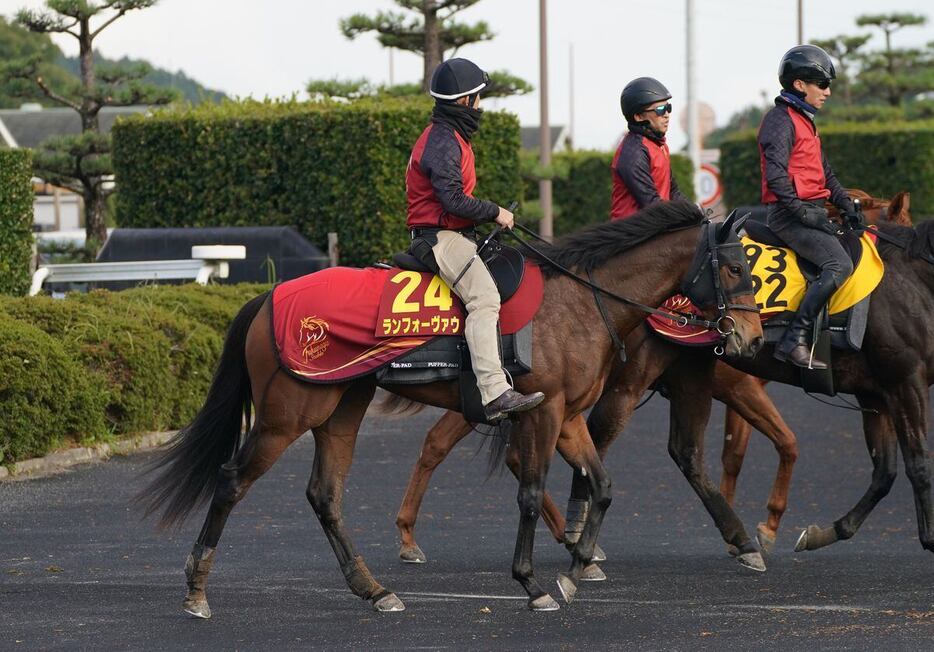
{"points": [[681, 318]]}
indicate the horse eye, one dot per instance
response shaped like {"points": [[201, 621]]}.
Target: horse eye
{"points": [[735, 270]]}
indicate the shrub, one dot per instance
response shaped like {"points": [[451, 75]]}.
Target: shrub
{"points": [[108, 362], [320, 167], [46, 396], [15, 220]]}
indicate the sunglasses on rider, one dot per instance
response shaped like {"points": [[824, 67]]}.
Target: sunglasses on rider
{"points": [[822, 84], [660, 110]]}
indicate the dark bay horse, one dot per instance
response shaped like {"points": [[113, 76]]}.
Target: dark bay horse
{"points": [[646, 258], [649, 358], [736, 429]]}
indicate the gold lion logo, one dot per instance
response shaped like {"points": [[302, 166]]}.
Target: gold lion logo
{"points": [[312, 337]]}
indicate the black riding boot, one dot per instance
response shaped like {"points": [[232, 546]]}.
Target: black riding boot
{"points": [[794, 345]]}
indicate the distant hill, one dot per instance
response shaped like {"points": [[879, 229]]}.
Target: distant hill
{"points": [[188, 87], [17, 43]]}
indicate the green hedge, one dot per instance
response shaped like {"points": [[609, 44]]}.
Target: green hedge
{"points": [[582, 186], [880, 158], [15, 220], [106, 364], [320, 167]]}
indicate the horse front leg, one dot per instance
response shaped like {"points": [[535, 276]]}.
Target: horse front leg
{"points": [[691, 398], [537, 435], [911, 428], [440, 440], [581, 454], [881, 439]]}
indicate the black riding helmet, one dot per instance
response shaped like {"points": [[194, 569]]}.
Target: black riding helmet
{"points": [[640, 93], [807, 62], [456, 78]]}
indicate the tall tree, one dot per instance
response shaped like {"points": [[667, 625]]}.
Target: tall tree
{"points": [[896, 71], [429, 29], [82, 163], [18, 44], [845, 50]]}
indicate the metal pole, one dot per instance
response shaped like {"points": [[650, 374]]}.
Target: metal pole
{"points": [[571, 95], [333, 250], [800, 21], [545, 227], [693, 130]]}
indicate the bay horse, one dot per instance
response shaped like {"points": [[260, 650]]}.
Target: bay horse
{"points": [[649, 358], [648, 257]]}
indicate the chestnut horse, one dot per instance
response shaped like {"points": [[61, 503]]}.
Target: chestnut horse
{"points": [[647, 258], [649, 357]]}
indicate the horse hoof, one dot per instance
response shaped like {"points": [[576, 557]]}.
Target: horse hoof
{"points": [[593, 573], [567, 587], [544, 603], [752, 561], [732, 550], [389, 603], [765, 538], [412, 554], [598, 554], [197, 609]]}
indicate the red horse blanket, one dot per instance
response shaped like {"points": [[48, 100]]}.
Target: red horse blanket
{"points": [[343, 323]]}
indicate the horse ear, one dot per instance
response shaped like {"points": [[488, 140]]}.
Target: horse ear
{"points": [[723, 231], [899, 209], [738, 225]]}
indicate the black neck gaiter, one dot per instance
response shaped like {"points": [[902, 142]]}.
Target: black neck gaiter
{"points": [[461, 118], [644, 129]]}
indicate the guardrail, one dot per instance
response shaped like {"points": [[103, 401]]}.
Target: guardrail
{"points": [[206, 262]]}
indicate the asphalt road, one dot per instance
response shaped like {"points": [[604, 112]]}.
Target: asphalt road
{"points": [[78, 569]]}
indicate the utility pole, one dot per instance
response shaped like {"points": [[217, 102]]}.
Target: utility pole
{"points": [[546, 226], [800, 22], [571, 95], [693, 130]]}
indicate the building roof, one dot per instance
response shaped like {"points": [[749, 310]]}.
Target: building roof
{"points": [[529, 136], [28, 128]]}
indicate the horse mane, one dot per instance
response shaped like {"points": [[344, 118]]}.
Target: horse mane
{"points": [[918, 241], [594, 245]]}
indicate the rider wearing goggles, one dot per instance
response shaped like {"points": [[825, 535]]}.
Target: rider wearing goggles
{"points": [[642, 164]]}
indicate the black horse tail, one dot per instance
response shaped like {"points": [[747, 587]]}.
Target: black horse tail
{"points": [[191, 462]]}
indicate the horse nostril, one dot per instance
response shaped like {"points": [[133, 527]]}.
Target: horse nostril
{"points": [[756, 344]]}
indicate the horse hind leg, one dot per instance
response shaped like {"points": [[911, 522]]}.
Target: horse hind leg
{"points": [[439, 442], [335, 440], [881, 441], [263, 446]]}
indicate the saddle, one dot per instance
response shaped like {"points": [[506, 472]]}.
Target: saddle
{"points": [[841, 330], [448, 358], [506, 265]]}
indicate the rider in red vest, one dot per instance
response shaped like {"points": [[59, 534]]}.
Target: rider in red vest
{"points": [[443, 212], [642, 164], [796, 180]]}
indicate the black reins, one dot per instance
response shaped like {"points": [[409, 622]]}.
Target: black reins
{"points": [[681, 318]]}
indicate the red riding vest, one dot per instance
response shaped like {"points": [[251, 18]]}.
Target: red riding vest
{"points": [[805, 165], [624, 203], [425, 208]]}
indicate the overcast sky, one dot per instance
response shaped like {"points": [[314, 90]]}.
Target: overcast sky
{"points": [[273, 48]]}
